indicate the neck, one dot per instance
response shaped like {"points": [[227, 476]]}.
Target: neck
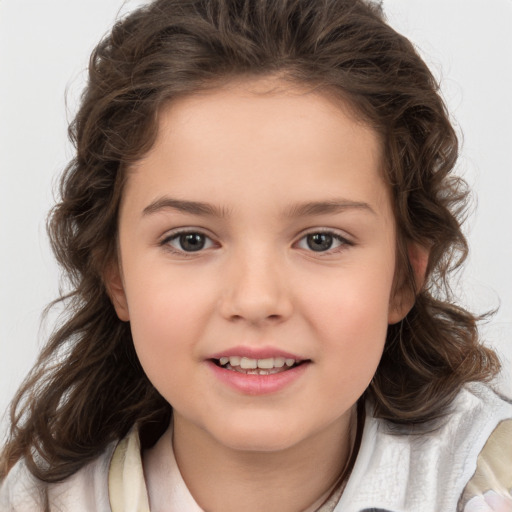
{"points": [[299, 477]]}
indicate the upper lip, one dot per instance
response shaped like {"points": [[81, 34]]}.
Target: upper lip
{"points": [[256, 353]]}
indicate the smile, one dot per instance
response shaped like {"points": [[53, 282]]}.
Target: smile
{"points": [[250, 366], [258, 371]]}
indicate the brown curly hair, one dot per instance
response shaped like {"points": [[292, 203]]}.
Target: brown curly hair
{"points": [[88, 388]]}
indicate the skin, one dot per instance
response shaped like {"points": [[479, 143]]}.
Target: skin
{"points": [[256, 152]]}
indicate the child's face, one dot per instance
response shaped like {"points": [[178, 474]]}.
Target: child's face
{"points": [[258, 226]]}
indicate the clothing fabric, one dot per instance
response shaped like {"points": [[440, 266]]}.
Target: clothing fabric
{"points": [[463, 465]]}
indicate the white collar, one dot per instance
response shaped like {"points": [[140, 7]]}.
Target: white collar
{"points": [[427, 472], [392, 473]]}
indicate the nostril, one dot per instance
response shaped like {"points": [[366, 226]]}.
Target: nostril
{"points": [[255, 300]]}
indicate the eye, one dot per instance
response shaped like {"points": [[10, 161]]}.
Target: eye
{"points": [[188, 241], [322, 241]]}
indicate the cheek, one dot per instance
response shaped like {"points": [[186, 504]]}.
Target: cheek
{"points": [[354, 336], [350, 314], [353, 296], [166, 318], [164, 298], [163, 336], [355, 333]]}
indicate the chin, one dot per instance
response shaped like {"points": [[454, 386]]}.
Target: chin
{"points": [[259, 437]]}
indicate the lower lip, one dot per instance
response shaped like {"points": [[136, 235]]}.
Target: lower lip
{"points": [[258, 384]]}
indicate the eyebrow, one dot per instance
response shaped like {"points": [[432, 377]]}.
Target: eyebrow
{"points": [[311, 208], [192, 207], [327, 207]]}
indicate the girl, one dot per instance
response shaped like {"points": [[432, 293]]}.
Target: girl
{"points": [[257, 226]]}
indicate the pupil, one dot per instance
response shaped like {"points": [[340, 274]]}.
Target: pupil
{"points": [[319, 242], [192, 242]]}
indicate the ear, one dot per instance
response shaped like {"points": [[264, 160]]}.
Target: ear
{"points": [[404, 297], [113, 279]]}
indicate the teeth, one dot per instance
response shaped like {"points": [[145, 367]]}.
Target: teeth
{"points": [[257, 371], [266, 363], [278, 362], [234, 361], [247, 363]]}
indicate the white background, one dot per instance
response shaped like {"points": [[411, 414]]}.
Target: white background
{"points": [[44, 49]]}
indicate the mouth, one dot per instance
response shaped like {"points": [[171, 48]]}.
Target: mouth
{"points": [[250, 366]]}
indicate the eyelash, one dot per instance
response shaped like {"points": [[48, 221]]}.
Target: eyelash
{"points": [[175, 236], [336, 237]]}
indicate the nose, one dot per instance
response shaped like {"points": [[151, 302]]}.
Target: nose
{"points": [[256, 289]]}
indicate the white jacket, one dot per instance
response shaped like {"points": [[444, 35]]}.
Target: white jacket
{"points": [[393, 472]]}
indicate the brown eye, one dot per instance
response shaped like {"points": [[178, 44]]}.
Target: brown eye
{"points": [[191, 242], [319, 241], [323, 242], [188, 241]]}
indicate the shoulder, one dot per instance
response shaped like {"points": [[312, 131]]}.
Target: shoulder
{"points": [[490, 487], [84, 491], [20, 491], [480, 401], [425, 471]]}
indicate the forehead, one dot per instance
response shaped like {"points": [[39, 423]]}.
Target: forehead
{"points": [[266, 105], [251, 137]]}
